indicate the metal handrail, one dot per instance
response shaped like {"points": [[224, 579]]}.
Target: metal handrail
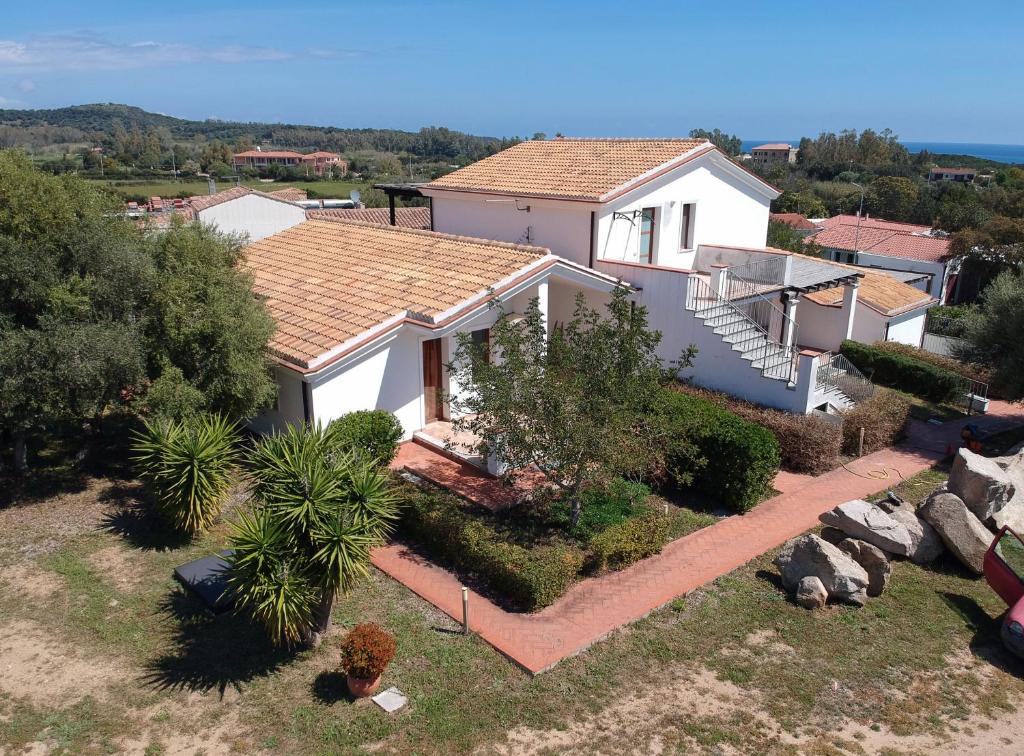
{"points": [[777, 360], [835, 371], [768, 273]]}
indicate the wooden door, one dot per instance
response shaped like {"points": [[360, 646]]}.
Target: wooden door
{"points": [[432, 383]]}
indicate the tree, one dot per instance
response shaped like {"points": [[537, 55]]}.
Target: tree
{"points": [[318, 511], [893, 198], [730, 144], [993, 333], [803, 202], [74, 277], [784, 236], [576, 404], [204, 321]]}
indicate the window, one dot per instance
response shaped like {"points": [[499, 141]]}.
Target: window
{"points": [[648, 216], [686, 226], [482, 340]]}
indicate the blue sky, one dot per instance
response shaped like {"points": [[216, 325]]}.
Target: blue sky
{"points": [[930, 70]]}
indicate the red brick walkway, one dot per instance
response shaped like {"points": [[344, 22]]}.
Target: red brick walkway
{"points": [[595, 607]]}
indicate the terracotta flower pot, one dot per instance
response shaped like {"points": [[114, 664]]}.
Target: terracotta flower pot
{"points": [[361, 687]]}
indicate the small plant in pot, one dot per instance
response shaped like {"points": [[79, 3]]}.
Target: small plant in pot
{"points": [[365, 652]]}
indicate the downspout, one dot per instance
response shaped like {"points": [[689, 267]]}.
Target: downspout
{"points": [[593, 217], [307, 402], [430, 204]]}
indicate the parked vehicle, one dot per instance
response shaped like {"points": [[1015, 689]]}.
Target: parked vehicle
{"points": [[1004, 571]]}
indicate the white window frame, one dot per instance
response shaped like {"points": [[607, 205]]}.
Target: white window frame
{"points": [[693, 226]]}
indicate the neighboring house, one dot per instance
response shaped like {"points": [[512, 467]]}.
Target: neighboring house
{"points": [[964, 175], [875, 243], [796, 221], [887, 310], [290, 193], [367, 315], [408, 217], [241, 210], [768, 155], [317, 162]]}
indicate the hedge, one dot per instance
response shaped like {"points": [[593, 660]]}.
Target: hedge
{"points": [[883, 418], [740, 458], [904, 373], [807, 443], [375, 433], [531, 578], [621, 545], [967, 370]]}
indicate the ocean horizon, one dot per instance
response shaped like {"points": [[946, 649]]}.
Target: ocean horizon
{"points": [[1003, 153]]}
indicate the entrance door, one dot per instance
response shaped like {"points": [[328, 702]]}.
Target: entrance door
{"points": [[432, 380]]}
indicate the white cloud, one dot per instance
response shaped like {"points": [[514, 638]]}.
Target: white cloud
{"points": [[53, 53]]}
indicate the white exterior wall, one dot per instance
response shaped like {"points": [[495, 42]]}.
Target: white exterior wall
{"points": [[822, 326], [253, 215], [727, 212], [908, 330], [289, 410], [562, 227], [868, 326]]}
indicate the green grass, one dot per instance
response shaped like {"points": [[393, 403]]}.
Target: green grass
{"points": [[189, 187]]}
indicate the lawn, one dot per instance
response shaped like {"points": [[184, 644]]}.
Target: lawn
{"points": [[190, 187], [102, 652]]}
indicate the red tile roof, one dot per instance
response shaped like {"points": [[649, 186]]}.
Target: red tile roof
{"points": [[881, 237], [407, 217], [320, 154], [796, 220], [772, 146], [955, 171], [206, 201], [269, 153]]}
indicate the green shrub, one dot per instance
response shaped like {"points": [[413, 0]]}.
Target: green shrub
{"points": [[531, 578], [187, 466], [629, 541], [375, 433], [974, 372], [903, 372], [602, 507], [807, 443], [740, 457], [883, 418]]}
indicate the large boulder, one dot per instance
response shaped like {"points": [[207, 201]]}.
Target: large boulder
{"points": [[859, 519], [809, 555], [872, 559], [925, 543], [981, 483], [811, 593], [960, 530]]}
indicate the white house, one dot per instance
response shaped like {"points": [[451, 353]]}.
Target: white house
{"points": [[367, 315], [241, 210]]}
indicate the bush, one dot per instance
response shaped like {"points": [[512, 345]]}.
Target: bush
{"points": [[974, 372], [531, 578], [741, 458], [366, 651], [807, 443], [375, 433], [902, 372], [883, 418], [602, 507], [187, 466], [629, 541]]}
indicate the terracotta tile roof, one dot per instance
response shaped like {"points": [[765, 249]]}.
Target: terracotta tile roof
{"points": [[269, 154], [796, 220], [772, 146], [330, 284], [880, 292], [882, 237], [320, 154], [583, 169], [408, 217], [290, 193], [956, 171], [206, 201]]}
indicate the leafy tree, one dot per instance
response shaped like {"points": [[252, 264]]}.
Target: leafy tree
{"points": [[993, 332], [803, 202], [318, 511], [74, 278], [893, 198], [783, 236], [204, 321], [730, 144], [577, 404]]}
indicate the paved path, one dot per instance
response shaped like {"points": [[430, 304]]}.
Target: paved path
{"points": [[594, 607]]}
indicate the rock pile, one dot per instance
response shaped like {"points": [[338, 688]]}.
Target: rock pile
{"points": [[851, 559]]}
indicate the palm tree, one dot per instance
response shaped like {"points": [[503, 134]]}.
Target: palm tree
{"points": [[318, 510]]}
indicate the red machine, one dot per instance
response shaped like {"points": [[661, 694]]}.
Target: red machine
{"points": [[1004, 571]]}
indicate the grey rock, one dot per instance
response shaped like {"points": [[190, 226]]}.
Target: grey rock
{"points": [[832, 535], [873, 560], [925, 543], [811, 593], [865, 521], [809, 555], [981, 483], [960, 530]]}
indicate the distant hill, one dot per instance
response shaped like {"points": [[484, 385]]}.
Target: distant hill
{"points": [[98, 123]]}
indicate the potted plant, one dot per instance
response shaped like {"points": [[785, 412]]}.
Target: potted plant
{"points": [[365, 652]]}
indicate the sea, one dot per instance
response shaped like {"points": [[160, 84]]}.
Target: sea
{"points": [[1002, 153]]}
